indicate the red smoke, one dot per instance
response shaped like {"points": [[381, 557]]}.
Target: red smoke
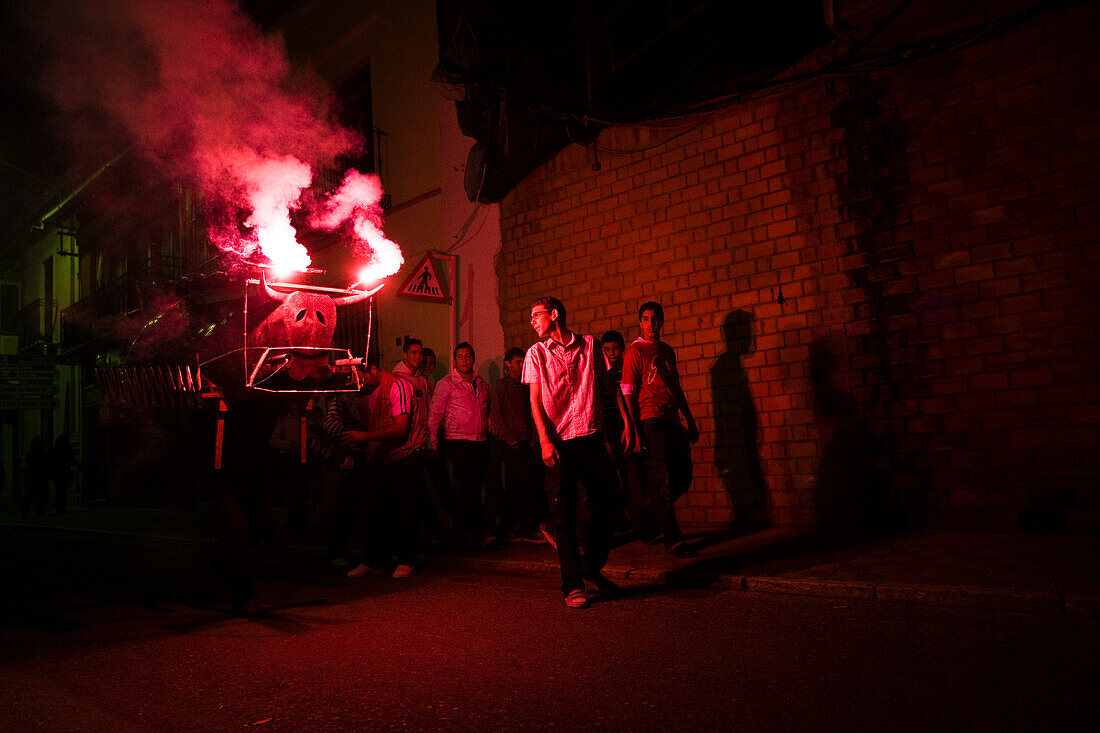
{"points": [[356, 201], [208, 98]]}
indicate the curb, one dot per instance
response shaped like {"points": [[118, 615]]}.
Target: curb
{"points": [[1002, 599], [971, 597], [811, 587], [1082, 604]]}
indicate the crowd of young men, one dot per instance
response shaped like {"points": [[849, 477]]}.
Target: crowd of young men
{"points": [[588, 432]]}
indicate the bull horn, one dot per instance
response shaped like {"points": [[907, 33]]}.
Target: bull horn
{"points": [[272, 292], [357, 298]]}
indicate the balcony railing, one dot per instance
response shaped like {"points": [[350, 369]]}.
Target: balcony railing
{"points": [[81, 323]]}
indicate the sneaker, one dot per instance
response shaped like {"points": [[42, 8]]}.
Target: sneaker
{"points": [[545, 531], [361, 571], [681, 550], [487, 542], [403, 571], [535, 538], [576, 599], [339, 562]]}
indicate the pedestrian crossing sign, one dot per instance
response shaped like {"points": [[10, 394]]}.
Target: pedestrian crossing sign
{"points": [[424, 283]]}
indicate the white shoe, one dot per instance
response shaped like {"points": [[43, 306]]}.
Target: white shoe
{"points": [[360, 571], [549, 536], [403, 571]]}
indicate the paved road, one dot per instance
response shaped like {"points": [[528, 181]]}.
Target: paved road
{"points": [[127, 634]]}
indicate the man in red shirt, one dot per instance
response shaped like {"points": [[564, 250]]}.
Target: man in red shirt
{"points": [[651, 385], [563, 371]]}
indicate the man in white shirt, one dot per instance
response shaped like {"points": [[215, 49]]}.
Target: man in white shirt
{"points": [[563, 371], [460, 405]]}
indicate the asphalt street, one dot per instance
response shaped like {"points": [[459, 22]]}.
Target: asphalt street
{"points": [[117, 633]]}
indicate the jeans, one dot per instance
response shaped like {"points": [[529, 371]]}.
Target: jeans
{"points": [[581, 491], [470, 460], [668, 474], [383, 498]]}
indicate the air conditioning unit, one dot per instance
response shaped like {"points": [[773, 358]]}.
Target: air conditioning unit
{"points": [[9, 344]]}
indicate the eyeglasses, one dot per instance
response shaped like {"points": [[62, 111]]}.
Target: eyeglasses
{"points": [[537, 314]]}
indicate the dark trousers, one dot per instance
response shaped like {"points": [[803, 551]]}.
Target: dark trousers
{"points": [[667, 476], [581, 491], [524, 503], [384, 500], [469, 460], [435, 469], [613, 434]]}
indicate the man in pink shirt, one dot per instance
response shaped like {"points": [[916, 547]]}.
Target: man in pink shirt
{"points": [[651, 384], [563, 371], [460, 405]]}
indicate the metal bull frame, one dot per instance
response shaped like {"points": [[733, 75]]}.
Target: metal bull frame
{"points": [[175, 387], [273, 360], [187, 387]]}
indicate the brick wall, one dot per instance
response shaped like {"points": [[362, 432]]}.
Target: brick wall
{"points": [[882, 289]]}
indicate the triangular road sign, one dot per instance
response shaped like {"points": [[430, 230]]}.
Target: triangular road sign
{"points": [[424, 283]]}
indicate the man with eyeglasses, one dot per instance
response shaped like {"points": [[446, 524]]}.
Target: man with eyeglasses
{"points": [[563, 371]]}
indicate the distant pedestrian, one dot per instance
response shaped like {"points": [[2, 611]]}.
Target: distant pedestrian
{"points": [[460, 406], [37, 489], [614, 346], [434, 465], [563, 370], [410, 368], [651, 384], [524, 505], [427, 367], [64, 461]]}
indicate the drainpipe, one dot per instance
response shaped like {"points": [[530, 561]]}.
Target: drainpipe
{"points": [[452, 281]]}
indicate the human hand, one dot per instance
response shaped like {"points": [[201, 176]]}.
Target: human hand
{"points": [[628, 439], [353, 438]]}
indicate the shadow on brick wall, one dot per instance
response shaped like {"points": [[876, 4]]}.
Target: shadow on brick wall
{"points": [[736, 426]]}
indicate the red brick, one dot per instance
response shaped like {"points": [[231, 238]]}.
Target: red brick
{"points": [[987, 301]]}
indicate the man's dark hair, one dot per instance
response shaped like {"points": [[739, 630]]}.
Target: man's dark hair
{"points": [[464, 345], [374, 359], [612, 337], [652, 305], [428, 352], [514, 353], [551, 303], [411, 342]]}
